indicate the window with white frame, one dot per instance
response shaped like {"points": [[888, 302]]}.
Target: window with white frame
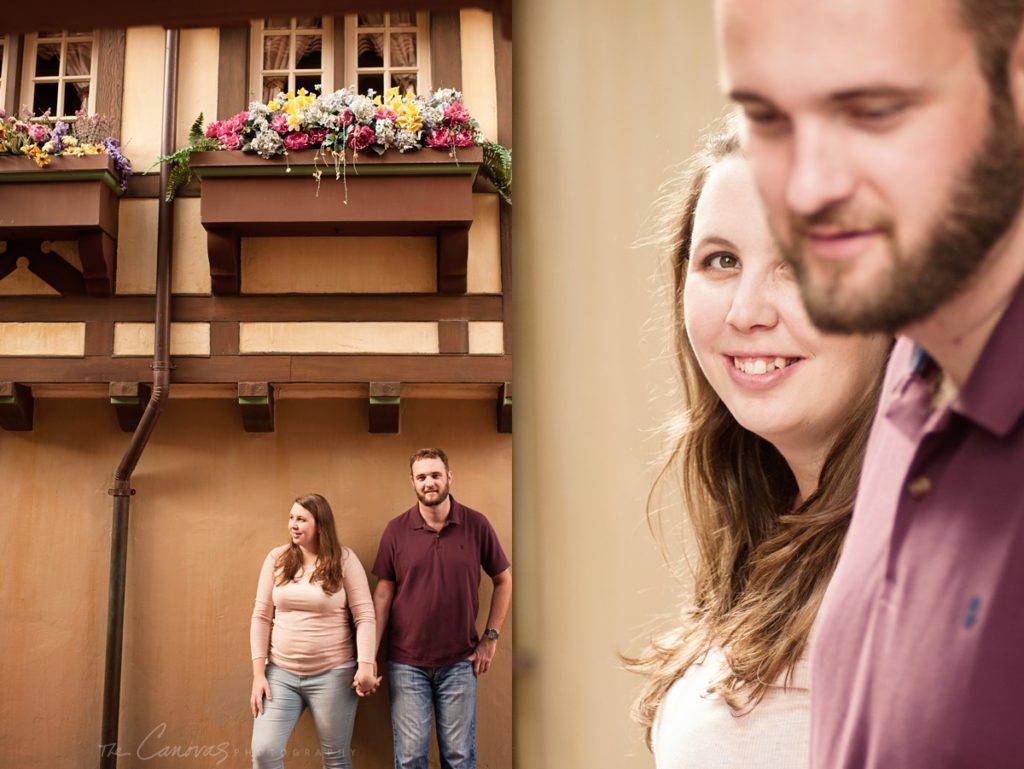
{"points": [[289, 53], [388, 49], [59, 73]]}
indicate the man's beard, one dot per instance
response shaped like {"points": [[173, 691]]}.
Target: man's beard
{"points": [[981, 207], [442, 495]]}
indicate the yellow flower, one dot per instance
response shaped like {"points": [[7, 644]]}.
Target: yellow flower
{"points": [[273, 106], [409, 117], [70, 141]]}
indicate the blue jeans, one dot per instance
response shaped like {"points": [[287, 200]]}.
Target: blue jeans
{"points": [[449, 691], [332, 703]]}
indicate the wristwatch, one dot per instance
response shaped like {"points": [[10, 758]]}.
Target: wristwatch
{"points": [[491, 633]]}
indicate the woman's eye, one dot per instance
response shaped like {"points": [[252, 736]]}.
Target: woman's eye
{"points": [[721, 261]]}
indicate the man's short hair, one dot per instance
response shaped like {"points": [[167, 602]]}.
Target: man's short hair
{"points": [[429, 454], [995, 26]]}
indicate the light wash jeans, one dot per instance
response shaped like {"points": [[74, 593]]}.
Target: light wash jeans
{"points": [[450, 692], [332, 703]]}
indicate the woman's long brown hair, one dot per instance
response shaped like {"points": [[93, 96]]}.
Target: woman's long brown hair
{"points": [[761, 566], [330, 553]]}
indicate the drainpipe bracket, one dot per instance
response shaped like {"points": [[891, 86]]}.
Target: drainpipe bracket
{"points": [[126, 492], [162, 366]]}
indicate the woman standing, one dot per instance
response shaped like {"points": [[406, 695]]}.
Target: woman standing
{"points": [[777, 418], [310, 591]]}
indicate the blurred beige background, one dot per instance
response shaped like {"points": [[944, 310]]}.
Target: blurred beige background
{"points": [[609, 97]]}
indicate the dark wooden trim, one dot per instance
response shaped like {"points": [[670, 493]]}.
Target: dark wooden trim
{"points": [[232, 72], [13, 77], [224, 338], [110, 46], [505, 408], [452, 260], [278, 369], [49, 267], [129, 400], [256, 401], [99, 337], [453, 336], [339, 53], [16, 406], [385, 407], [445, 50], [148, 186], [503, 76], [505, 224], [258, 307]]}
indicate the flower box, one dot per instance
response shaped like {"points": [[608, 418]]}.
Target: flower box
{"points": [[73, 198], [428, 192]]}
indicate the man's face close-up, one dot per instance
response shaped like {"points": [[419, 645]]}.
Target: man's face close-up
{"points": [[888, 168]]}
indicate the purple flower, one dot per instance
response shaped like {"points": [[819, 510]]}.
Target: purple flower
{"points": [[38, 133], [57, 136], [123, 165]]}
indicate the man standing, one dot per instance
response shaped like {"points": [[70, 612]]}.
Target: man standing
{"points": [[886, 139], [428, 566]]}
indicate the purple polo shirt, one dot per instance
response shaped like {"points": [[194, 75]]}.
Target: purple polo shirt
{"points": [[437, 583], [919, 657]]}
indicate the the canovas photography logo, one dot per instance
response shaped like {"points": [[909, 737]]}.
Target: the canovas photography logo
{"points": [[153, 745]]}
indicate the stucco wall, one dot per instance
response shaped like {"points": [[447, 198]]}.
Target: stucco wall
{"points": [[212, 500]]}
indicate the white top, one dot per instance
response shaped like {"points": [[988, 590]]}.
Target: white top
{"points": [[696, 730]]}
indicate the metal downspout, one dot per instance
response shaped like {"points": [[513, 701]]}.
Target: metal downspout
{"points": [[122, 490]]}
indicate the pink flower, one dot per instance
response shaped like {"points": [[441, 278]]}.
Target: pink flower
{"points": [[317, 135], [456, 113], [231, 141], [216, 128], [437, 138], [361, 137], [236, 123], [346, 118], [38, 133], [463, 139], [383, 113], [297, 141], [280, 124]]}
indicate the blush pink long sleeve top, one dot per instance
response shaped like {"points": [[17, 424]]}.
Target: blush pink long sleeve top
{"points": [[300, 628]]}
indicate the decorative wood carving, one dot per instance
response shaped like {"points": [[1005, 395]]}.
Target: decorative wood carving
{"points": [[385, 403], [129, 400], [256, 400]]}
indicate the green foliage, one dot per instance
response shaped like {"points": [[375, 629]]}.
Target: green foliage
{"points": [[181, 172], [498, 168]]}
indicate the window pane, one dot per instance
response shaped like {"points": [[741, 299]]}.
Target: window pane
{"points": [[403, 19], [275, 51], [404, 81], [309, 82], [44, 97], [371, 20], [79, 59], [282, 22], [309, 22], [48, 60], [76, 97], [272, 85], [376, 82], [370, 50], [307, 51], [403, 50]]}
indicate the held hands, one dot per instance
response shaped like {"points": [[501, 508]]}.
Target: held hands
{"points": [[366, 680], [482, 656], [260, 688]]}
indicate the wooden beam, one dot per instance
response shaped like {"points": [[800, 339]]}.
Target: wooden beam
{"points": [[232, 72], [453, 336], [445, 50], [48, 266], [505, 408], [98, 252], [452, 250], [110, 48], [256, 400], [385, 402], [129, 400], [225, 254], [16, 406]]}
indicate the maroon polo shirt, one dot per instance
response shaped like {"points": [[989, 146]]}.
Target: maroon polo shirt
{"points": [[437, 583], [919, 657]]}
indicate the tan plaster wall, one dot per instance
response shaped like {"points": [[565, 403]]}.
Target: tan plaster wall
{"points": [[190, 265], [54, 339], [486, 337], [211, 501], [479, 87], [24, 282], [137, 339], [593, 377], [314, 337], [483, 264], [338, 265], [136, 246], [143, 95]]}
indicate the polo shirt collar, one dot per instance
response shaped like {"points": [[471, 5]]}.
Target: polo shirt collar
{"points": [[994, 394], [455, 516]]}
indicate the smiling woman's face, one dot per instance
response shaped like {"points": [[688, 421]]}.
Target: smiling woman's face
{"points": [[777, 374]]}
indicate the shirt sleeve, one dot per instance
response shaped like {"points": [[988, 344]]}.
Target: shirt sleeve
{"points": [[384, 565], [360, 605], [263, 610], [492, 557]]}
